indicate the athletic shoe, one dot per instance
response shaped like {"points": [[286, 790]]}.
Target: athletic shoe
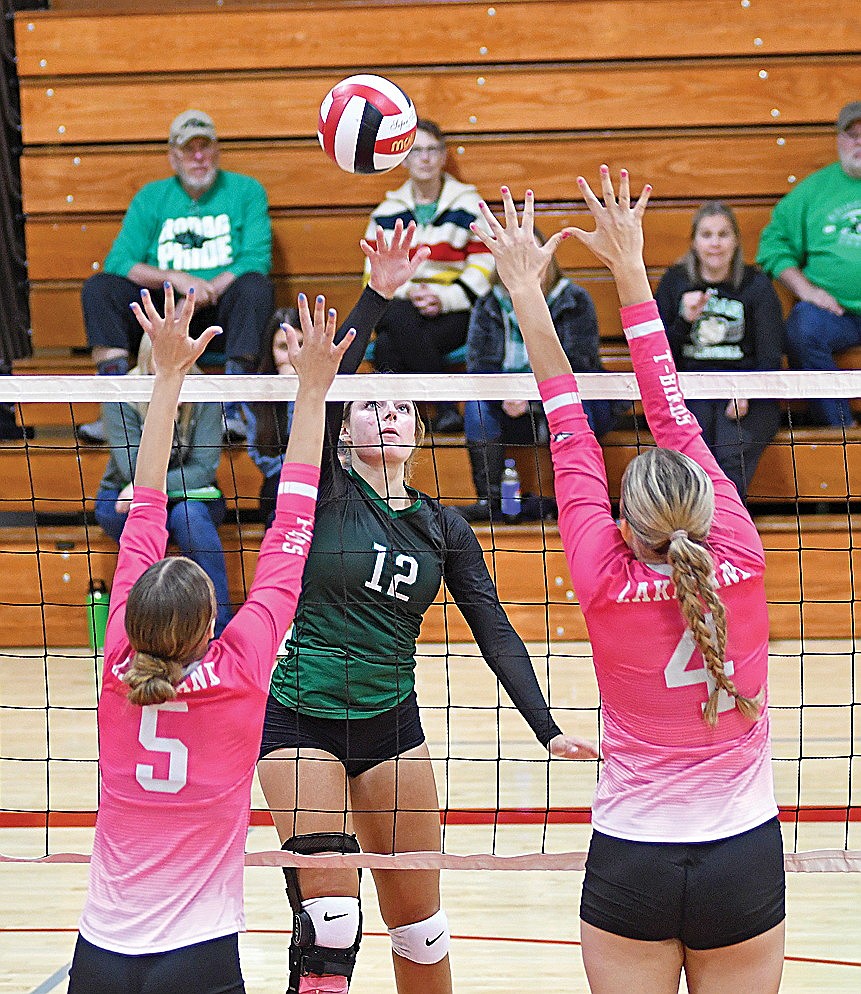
{"points": [[449, 422], [234, 430], [92, 433], [481, 510]]}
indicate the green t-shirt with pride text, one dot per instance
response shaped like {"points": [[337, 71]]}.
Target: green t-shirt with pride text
{"points": [[227, 229], [817, 228]]}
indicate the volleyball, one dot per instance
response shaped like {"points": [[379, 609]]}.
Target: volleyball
{"points": [[367, 124]]}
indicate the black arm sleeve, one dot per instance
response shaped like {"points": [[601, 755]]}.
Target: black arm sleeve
{"points": [[368, 310], [469, 582]]}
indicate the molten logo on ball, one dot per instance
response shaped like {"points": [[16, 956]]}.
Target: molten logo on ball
{"points": [[367, 124]]}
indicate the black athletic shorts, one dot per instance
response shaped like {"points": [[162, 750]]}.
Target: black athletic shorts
{"points": [[707, 894], [210, 967], [359, 743]]}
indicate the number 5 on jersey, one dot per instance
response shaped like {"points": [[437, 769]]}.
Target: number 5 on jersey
{"points": [[177, 769], [676, 673]]}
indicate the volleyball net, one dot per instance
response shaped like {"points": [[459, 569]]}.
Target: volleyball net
{"points": [[503, 803]]}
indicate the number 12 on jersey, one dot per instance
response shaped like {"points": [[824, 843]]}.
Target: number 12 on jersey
{"points": [[409, 571]]}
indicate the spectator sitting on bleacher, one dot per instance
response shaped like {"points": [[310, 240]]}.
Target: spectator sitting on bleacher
{"points": [[196, 506], [203, 227], [269, 423], [813, 246], [429, 316], [495, 345], [723, 315]]}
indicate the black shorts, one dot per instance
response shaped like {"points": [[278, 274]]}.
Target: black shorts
{"points": [[210, 967], [359, 743], [707, 894]]}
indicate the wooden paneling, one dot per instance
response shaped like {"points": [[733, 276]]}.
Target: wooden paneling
{"points": [[809, 465], [298, 175], [810, 571], [705, 92], [55, 308], [465, 32], [71, 248]]}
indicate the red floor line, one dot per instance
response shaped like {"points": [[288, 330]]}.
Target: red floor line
{"points": [[456, 816], [467, 938]]}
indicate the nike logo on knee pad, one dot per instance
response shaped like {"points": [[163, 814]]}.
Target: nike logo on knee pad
{"points": [[430, 942], [330, 918]]}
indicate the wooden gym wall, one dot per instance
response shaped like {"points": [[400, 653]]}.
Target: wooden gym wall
{"points": [[704, 98]]}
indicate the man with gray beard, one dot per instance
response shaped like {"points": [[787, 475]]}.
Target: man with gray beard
{"points": [[813, 246], [202, 227]]}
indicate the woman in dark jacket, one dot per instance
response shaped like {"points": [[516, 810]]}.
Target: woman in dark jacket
{"points": [[723, 315]]}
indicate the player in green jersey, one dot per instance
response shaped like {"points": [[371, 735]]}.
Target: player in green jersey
{"points": [[343, 744]]}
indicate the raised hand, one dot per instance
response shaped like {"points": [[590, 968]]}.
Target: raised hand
{"points": [[173, 351], [693, 304], [618, 236], [520, 261], [391, 263], [317, 359]]}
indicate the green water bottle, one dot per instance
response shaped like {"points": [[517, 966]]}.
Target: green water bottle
{"points": [[98, 602]]}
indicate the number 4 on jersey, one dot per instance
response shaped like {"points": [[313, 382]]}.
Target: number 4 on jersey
{"points": [[676, 673]]}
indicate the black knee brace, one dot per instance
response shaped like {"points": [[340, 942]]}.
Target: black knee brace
{"points": [[306, 956]]}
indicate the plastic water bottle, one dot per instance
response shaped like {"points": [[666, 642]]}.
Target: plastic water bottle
{"points": [[98, 603], [510, 491]]}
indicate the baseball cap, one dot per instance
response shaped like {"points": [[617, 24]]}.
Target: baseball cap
{"points": [[848, 115], [192, 124]]}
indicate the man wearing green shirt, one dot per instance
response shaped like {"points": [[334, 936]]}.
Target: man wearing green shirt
{"points": [[204, 228], [813, 246]]}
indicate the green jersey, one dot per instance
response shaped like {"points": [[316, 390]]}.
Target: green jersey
{"points": [[371, 575]]}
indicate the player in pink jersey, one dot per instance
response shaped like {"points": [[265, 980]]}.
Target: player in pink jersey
{"points": [[685, 868], [181, 714]]}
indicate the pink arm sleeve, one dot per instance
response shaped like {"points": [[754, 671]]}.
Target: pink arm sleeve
{"points": [[674, 427], [589, 534], [142, 543], [258, 629]]}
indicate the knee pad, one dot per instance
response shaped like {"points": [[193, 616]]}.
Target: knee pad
{"points": [[327, 931], [425, 942]]}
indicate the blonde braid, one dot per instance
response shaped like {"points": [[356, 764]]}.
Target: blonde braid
{"points": [[693, 576]]}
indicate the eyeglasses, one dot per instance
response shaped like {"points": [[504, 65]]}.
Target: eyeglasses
{"points": [[418, 150]]}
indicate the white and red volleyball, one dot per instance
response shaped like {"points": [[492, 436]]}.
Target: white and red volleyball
{"points": [[367, 124]]}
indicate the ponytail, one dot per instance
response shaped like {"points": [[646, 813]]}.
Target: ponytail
{"points": [[693, 577], [152, 680], [668, 501]]}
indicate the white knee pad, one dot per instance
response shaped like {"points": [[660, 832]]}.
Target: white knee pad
{"points": [[335, 920], [424, 942]]}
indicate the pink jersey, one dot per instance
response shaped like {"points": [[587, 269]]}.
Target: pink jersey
{"points": [[667, 776], [168, 855]]}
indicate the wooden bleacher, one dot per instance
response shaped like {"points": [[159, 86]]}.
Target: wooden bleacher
{"points": [[43, 595], [710, 100]]}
